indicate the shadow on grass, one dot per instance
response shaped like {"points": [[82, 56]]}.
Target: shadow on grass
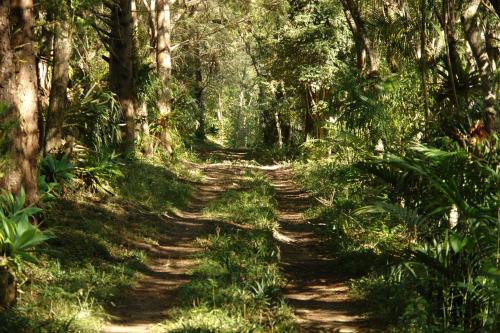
{"points": [[102, 243]]}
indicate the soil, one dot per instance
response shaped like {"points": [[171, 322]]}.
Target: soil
{"points": [[317, 290]]}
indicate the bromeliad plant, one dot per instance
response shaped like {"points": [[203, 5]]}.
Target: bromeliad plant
{"points": [[54, 174], [18, 237], [96, 169]]}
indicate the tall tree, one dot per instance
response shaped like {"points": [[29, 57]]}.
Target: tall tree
{"points": [[164, 62], [121, 67], [474, 36], [199, 91], [18, 88], [367, 54], [60, 77]]}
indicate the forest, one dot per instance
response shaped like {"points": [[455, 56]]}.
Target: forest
{"points": [[246, 166]]}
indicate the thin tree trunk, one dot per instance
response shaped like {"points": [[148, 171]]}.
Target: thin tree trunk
{"points": [[44, 53], [220, 116], [474, 38], [140, 106], [423, 64], [121, 68], [239, 128], [199, 94], [164, 64], [278, 128], [152, 20], [18, 88], [60, 78], [452, 57]]}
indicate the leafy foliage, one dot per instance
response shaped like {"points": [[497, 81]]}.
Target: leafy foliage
{"points": [[18, 237]]}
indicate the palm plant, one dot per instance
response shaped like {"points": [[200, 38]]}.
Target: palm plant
{"points": [[451, 207]]}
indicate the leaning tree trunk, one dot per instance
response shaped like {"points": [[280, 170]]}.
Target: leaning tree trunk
{"points": [[60, 78], [121, 68], [18, 88], [164, 65], [474, 38]]}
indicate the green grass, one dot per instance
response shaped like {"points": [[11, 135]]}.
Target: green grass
{"points": [[95, 257], [237, 284], [365, 246]]}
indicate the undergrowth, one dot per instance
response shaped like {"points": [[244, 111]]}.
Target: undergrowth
{"points": [[236, 286], [417, 230], [94, 256]]}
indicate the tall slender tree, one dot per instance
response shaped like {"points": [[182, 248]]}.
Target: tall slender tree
{"points": [[164, 62], [60, 77]]}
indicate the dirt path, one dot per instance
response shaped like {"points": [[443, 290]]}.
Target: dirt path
{"points": [[316, 290], [149, 302]]}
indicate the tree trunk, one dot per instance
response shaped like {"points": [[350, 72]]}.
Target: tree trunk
{"points": [[152, 20], [121, 68], [239, 128], [140, 106], [423, 64], [8, 287], [164, 64], [367, 54], [278, 128], [454, 67], [60, 78], [199, 94], [18, 88], [220, 116], [473, 35], [6, 54]]}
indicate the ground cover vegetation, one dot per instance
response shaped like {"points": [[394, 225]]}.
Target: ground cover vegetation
{"points": [[387, 110]]}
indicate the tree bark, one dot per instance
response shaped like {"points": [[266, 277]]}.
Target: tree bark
{"points": [[140, 106], [164, 63], [452, 57], [199, 93], [278, 129], [473, 35], [423, 64], [60, 77], [18, 67], [121, 68], [367, 54]]}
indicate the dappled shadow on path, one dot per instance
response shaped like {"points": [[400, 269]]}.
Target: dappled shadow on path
{"points": [[317, 288], [150, 301]]}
